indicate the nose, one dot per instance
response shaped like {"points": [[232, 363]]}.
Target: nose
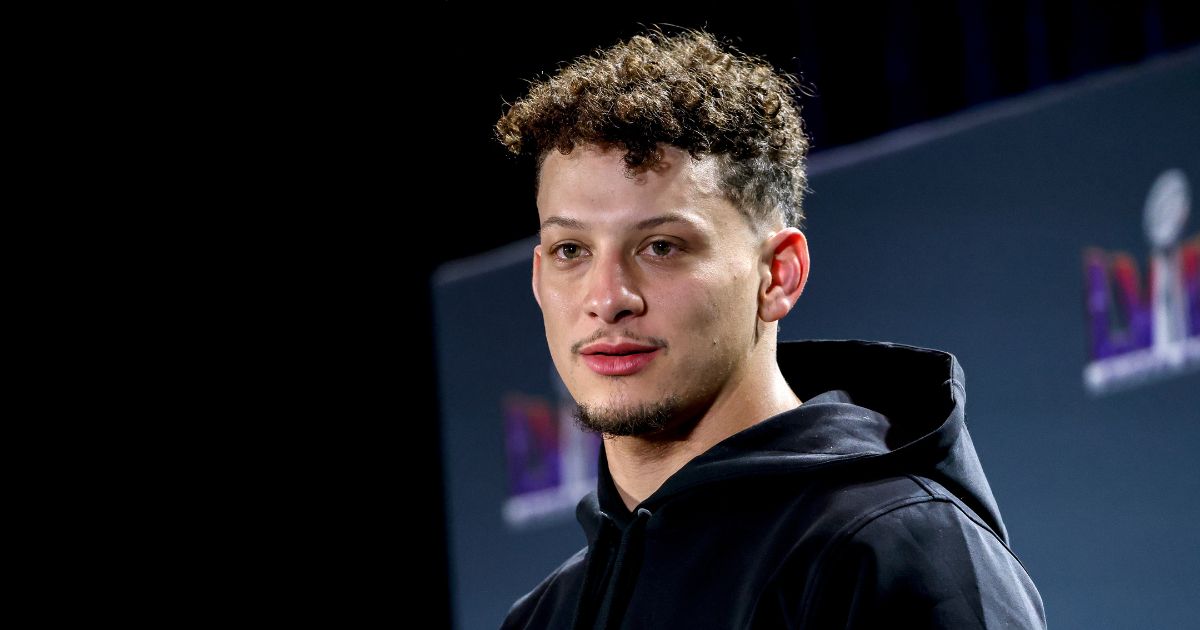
{"points": [[612, 292]]}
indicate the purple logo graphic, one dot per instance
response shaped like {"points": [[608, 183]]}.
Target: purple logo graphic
{"points": [[1140, 331], [551, 462], [531, 441]]}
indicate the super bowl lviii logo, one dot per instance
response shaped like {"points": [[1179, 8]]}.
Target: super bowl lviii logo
{"points": [[551, 463], [1143, 329]]}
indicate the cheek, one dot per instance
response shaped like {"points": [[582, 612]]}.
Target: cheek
{"points": [[730, 303], [556, 301], [703, 305]]}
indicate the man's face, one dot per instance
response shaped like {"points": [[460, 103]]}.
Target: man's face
{"points": [[662, 261]]}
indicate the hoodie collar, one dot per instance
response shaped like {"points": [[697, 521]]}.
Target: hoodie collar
{"points": [[824, 428]]}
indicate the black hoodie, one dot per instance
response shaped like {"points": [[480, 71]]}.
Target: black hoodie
{"points": [[864, 507]]}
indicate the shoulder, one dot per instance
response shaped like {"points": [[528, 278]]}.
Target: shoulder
{"points": [[845, 505], [908, 521], [916, 552], [872, 504], [554, 596]]}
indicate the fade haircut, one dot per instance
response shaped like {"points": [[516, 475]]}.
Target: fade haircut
{"points": [[686, 90]]}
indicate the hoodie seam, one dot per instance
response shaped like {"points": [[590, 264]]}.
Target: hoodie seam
{"points": [[847, 533], [971, 516], [833, 547]]}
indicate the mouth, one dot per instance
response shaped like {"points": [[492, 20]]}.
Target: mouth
{"points": [[619, 363], [616, 349]]}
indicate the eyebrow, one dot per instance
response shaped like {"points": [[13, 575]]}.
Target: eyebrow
{"points": [[575, 224]]}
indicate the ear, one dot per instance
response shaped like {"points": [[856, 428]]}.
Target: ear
{"points": [[786, 256], [537, 265]]}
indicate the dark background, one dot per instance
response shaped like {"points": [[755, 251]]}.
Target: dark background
{"points": [[869, 70]]}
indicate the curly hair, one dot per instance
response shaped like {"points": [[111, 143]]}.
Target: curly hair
{"points": [[684, 90]]}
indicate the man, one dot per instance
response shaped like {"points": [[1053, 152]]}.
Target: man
{"points": [[743, 483]]}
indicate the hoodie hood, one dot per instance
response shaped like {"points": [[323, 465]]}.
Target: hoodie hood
{"points": [[866, 405]]}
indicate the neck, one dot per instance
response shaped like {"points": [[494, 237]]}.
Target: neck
{"points": [[639, 465]]}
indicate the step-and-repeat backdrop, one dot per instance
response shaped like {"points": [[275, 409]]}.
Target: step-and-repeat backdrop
{"points": [[1047, 242]]}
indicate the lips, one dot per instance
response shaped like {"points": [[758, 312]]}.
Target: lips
{"points": [[620, 359], [617, 348]]}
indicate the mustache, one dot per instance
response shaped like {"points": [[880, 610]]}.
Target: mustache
{"points": [[624, 334]]}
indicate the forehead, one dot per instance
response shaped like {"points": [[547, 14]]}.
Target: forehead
{"points": [[594, 182]]}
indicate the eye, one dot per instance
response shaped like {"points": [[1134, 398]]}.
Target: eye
{"points": [[662, 248], [570, 251]]}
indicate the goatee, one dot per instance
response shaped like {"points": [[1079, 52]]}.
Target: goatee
{"points": [[628, 420]]}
